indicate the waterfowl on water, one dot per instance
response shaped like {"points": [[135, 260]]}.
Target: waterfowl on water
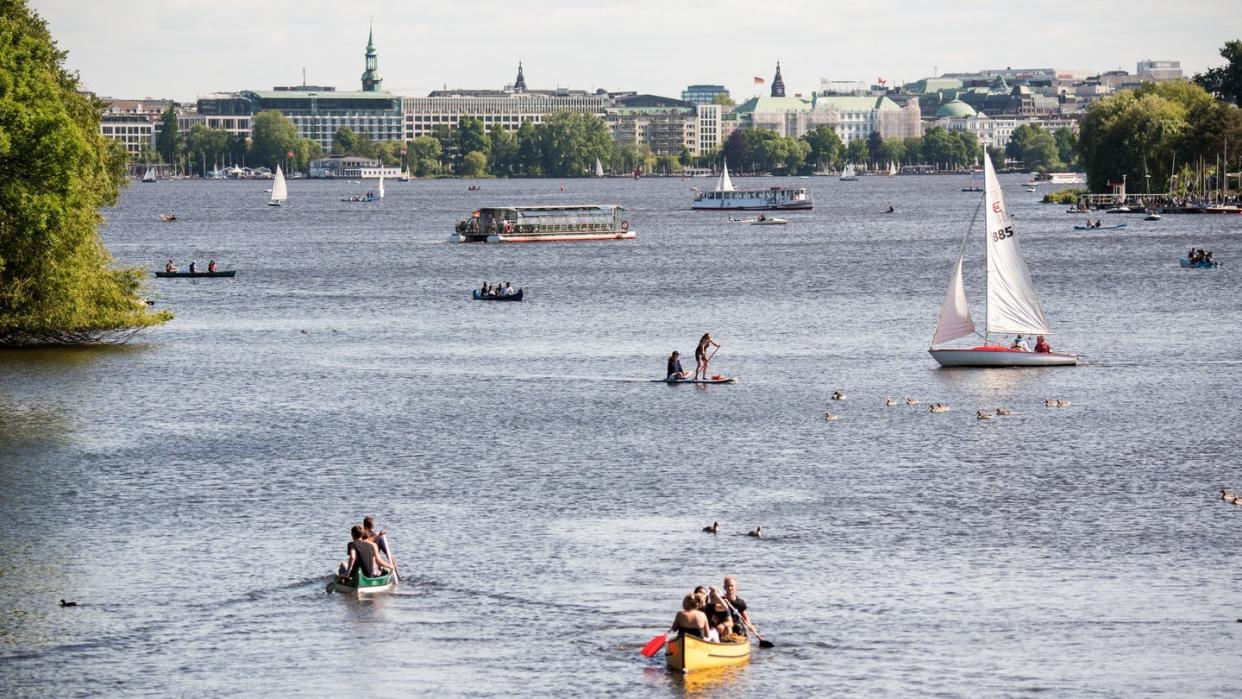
{"points": [[1225, 494], [830, 417], [938, 408], [890, 402], [757, 533], [715, 527], [911, 401], [1050, 403], [1003, 411], [68, 604], [838, 395], [980, 415], [1063, 404]]}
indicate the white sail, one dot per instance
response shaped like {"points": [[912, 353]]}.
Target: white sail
{"points": [[955, 320], [280, 191], [149, 175], [599, 168], [379, 191], [724, 184], [892, 168], [1013, 306]]}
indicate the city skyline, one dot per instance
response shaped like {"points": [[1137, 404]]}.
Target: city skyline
{"points": [[659, 49]]}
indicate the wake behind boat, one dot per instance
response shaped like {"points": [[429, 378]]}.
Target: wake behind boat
{"points": [[1012, 305], [761, 221]]}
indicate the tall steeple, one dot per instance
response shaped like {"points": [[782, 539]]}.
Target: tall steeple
{"points": [[519, 85], [778, 85], [370, 77]]}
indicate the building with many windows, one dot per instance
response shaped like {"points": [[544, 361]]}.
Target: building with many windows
{"points": [[132, 122], [1160, 71], [703, 94], [506, 108], [666, 126]]}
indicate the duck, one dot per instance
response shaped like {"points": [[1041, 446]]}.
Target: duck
{"points": [[838, 395], [911, 401], [1063, 404], [757, 533], [890, 402], [713, 528], [830, 417], [938, 408], [1225, 494], [68, 604], [981, 415], [1004, 411]]}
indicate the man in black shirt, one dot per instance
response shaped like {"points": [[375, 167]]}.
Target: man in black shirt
{"points": [[742, 620]]}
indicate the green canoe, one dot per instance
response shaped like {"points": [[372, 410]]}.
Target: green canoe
{"points": [[363, 585]]}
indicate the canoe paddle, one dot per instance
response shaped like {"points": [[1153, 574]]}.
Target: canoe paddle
{"points": [[653, 646], [762, 643]]}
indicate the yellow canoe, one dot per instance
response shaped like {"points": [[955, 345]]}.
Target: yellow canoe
{"points": [[688, 653]]}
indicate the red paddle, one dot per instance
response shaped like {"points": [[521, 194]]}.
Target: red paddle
{"points": [[653, 646]]}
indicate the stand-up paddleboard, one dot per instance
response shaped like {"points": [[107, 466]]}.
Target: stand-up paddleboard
{"points": [[721, 379]]}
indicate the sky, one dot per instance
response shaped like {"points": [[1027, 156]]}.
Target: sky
{"points": [[184, 49]]}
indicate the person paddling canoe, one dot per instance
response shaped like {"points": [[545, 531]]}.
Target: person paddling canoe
{"points": [[700, 355]]}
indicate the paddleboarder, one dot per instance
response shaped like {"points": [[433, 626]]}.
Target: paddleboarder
{"points": [[701, 357], [675, 372]]}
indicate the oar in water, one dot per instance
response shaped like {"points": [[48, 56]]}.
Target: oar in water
{"points": [[654, 645], [762, 643]]}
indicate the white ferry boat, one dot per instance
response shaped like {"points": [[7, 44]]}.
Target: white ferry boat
{"points": [[1060, 178], [725, 197], [543, 224]]}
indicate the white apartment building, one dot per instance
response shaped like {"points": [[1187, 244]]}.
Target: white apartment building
{"points": [[494, 108], [132, 122], [710, 128]]}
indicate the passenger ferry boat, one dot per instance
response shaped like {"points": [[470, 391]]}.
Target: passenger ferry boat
{"points": [[543, 224], [725, 197]]}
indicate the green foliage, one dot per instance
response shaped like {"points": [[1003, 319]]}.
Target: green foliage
{"points": [[569, 143], [957, 149], [502, 158], [471, 138], [474, 164], [723, 100], [736, 150], [825, 146], [1035, 148], [1067, 146], [346, 142], [273, 137], [169, 140], [997, 154], [1226, 81], [1063, 196], [857, 151], [205, 146], [667, 164], [56, 284], [148, 156], [424, 156]]}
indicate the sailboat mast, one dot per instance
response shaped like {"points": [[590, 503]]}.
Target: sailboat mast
{"points": [[987, 270]]}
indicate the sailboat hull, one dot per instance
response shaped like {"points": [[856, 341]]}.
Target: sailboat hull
{"points": [[1000, 357]]}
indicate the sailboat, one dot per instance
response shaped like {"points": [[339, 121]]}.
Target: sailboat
{"points": [[1012, 305], [379, 190], [149, 175], [847, 173], [599, 168], [280, 191], [724, 184], [405, 175], [892, 168]]}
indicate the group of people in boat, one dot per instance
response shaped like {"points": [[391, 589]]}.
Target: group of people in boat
{"points": [[1199, 255], [171, 267], [1098, 222], [367, 551], [1041, 345], [491, 228], [701, 359], [714, 615], [497, 290]]}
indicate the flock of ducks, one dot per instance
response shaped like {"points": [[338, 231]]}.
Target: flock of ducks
{"points": [[714, 528], [944, 407], [1230, 497]]}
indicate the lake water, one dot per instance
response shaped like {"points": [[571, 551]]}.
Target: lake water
{"points": [[193, 490]]}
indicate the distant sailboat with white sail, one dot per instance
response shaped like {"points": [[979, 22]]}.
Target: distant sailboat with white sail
{"points": [[848, 174], [599, 168], [379, 190], [280, 191], [892, 168], [1012, 305], [149, 175], [724, 184]]}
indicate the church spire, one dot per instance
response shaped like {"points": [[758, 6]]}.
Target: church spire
{"points": [[778, 85], [519, 85], [370, 77]]}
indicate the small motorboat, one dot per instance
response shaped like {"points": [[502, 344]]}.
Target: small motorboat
{"points": [[1151, 216], [1198, 264], [689, 653], [218, 273], [363, 585], [1119, 210], [480, 296], [767, 221], [1113, 227]]}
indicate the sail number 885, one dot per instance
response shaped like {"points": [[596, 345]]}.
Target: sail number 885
{"points": [[1006, 232]]}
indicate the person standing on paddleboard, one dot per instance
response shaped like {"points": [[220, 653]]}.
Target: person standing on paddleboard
{"points": [[700, 355]]}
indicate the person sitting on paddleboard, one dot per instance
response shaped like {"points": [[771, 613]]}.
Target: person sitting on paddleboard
{"points": [[675, 372], [700, 355]]}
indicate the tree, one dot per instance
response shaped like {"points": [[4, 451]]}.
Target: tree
{"points": [[942, 148], [502, 159], [857, 151], [997, 154], [1122, 133], [474, 164], [205, 146], [667, 164], [56, 281], [346, 142], [913, 148], [875, 147], [571, 141], [825, 146], [1067, 143], [169, 140], [424, 156], [1226, 81], [970, 149], [528, 160], [736, 150], [273, 137], [723, 99], [471, 137]]}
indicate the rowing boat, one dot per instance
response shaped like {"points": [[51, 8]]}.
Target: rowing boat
{"points": [[363, 585], [479, 296], [1198, 264], [687, 653], [714, 379], [224, 273], [1115, 226]]}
